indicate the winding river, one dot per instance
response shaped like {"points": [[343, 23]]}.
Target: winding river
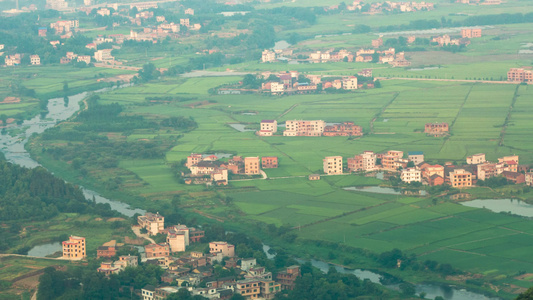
{"points": [[12, 145]]}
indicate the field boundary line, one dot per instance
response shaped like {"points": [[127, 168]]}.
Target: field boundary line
{"points": [[382, 111], [508, 118], [288, 110], [457, 116]]}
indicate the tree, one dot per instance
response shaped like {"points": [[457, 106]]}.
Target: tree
{"points": [[149, 72], [527, 295]]}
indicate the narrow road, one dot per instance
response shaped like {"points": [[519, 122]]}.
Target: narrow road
{"points": [[137, 230], [451, 80]]}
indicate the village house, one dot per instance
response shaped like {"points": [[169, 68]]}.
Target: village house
{"points": [[13, 60], [185, 22], [529, 178], [377, 43], [251, 166], [417, 157], [445, 40], [153, 223], [362, 162], [433, 174], [520, 75], [411, 175], [42, 31], [349, 83], [332, 165], [313, 177], [84, 58], [304, 128], [107, 249], [460, 178], [103, 55], [269, 162], [143, 5], [277, 88], [343, 129], [227, 250], [103, 12], [35, 60], [288, 277], [476, 159], [393, 160], [269, 125], [365, 73], [471, 33], [436, 129], [268, 56], [74, 248], [189, 11], [514, 177], [107, 268], [157, 250], [177, 238]]}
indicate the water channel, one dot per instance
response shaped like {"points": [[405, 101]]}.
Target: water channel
{"points": [[431, 290]]}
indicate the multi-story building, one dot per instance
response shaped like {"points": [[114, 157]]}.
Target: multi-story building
{"points": [[520, 75], [349, 83], [363, 162], [476, 159], [251, 166], [332, 165], [411, 175], [417, 157], [471, 33], [35, 60], [436, 129], [269, 162], [185, 22], [153, 223], [157, 250], [343, 129], [108, 268], [304, 128], [178, 238], [103, 55], [84, 58], [430, 170], [529, 178], [148, 292], [377, 43], [460, 178], [269, 125], [249, 289], [288, 277], [74, 248], [268, 56], [277, 88], [509, 159], [227, 250]]}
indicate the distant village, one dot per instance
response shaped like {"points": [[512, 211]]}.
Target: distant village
{"points": [[188, 270], [415, 169]]}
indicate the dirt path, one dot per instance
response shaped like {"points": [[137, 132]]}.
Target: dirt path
{"points": [[137, 230]]}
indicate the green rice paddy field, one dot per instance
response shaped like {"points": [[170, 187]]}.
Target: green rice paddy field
{"points": [[484, 117]]}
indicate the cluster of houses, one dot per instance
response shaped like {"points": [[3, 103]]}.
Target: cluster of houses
{"points": [[437, 129], [388, 56], [208, 169], [379, 7], [310, 128], [466, 35], [287, 83], [524, 74], [190, 270], [414, 169], [482, 2]]}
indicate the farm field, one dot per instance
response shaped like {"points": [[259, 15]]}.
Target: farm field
{"points": [[393, 117]]}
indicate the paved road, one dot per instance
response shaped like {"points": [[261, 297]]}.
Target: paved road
{"points": [[137, 231], [453, 80]]}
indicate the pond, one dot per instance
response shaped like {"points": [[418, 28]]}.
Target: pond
{"points": [[513, 206], [240, 127], [45, 249]]}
